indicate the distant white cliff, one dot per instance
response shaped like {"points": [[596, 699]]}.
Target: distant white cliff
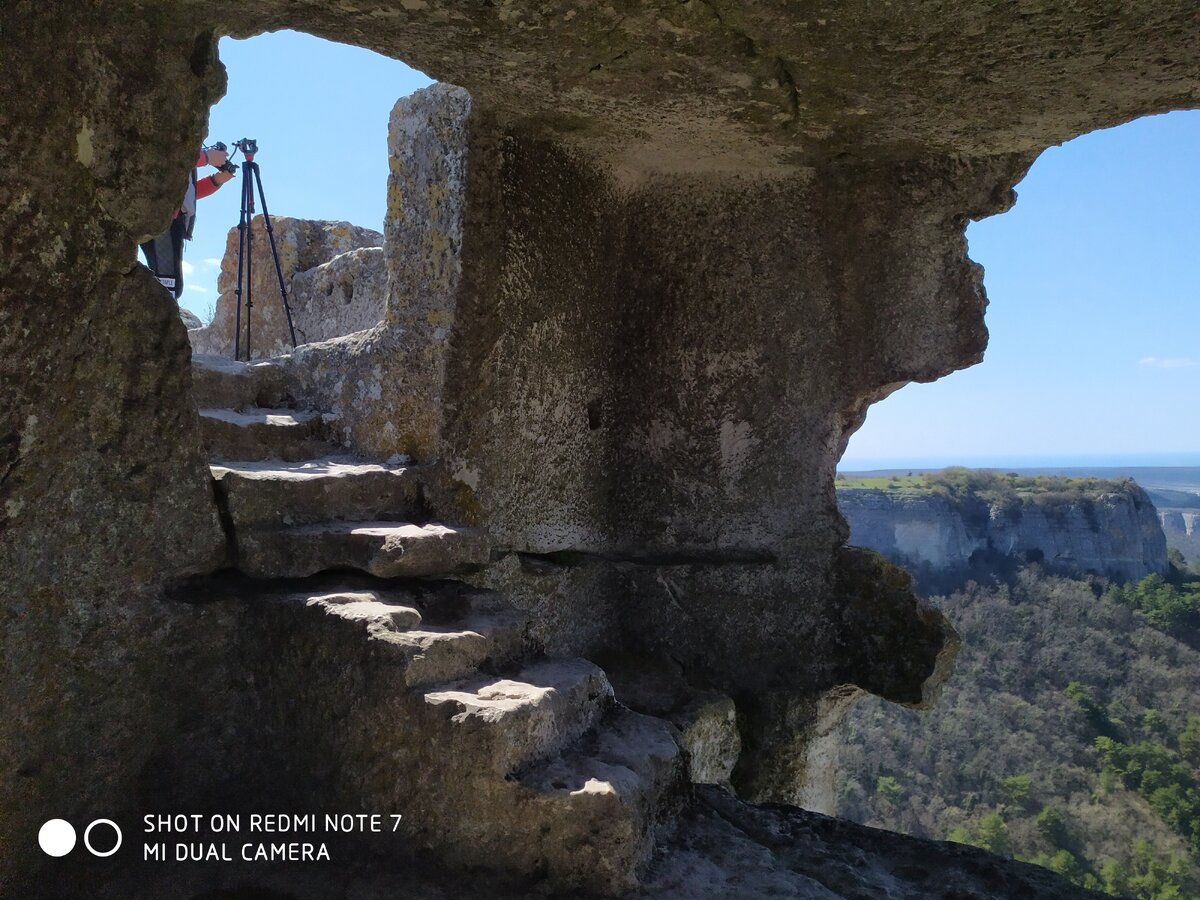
{"points": [[1109, 528], [1180, 521]]}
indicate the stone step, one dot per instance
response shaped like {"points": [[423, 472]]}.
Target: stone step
{"points": [[706, 720], [219, 382], [383, 549], [380, 616], [483, 632], [507, 724], [604, 794], [258, 434], [272, 492]]}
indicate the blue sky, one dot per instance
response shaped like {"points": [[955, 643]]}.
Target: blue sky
{"points": [[319, 112], [1093, 276], [1094, 318]]}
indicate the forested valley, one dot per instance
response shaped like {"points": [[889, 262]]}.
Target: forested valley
{"points": [[1068, 736]]}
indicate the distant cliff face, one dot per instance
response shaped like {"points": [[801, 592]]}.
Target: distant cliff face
{"points": [[1179, 521], [1113, 531], [1182, 528]]}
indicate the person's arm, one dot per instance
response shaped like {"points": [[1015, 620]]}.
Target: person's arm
{"points": [[210, 183], [211, 156]]}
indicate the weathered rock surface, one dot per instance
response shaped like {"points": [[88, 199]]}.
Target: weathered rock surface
{"points": [[1114, 531], [725, 848], [671, 252], [190, 319], [388, 384], [385, 549], [524, 765], [344, 295], [513, 352], [334, 277], [706, 721], [1177, 521]]}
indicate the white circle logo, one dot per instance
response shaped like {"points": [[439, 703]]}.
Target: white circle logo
{"points": [[87, 833], [56, 837]]}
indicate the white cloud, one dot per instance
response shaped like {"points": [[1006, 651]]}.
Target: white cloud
{"points": [[1168, 362], [211, 262], [196, 288], [188, 268]]}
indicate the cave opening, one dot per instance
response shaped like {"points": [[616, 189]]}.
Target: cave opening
{"points": [[318, 111]]}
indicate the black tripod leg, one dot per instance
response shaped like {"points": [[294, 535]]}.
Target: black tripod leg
{"points": [[275, 255], [237, 290], [249, 256]]}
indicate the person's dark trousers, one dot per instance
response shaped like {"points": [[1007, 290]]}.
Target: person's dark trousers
{"points": [[164, 256]]}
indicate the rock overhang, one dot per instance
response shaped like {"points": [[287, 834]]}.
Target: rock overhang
{"points": [[767, 88]]}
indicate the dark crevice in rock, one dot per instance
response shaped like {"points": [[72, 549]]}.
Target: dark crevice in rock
{"points": [[785, 78], [229, 583], [221, 498], [650, 559], [204, 54]]}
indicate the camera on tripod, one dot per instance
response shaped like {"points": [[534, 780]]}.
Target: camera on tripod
{"points": [[251, 179], [248, 146], [228, 165]]}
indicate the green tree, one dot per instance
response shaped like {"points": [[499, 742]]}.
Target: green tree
{"points": [[1150, 876], [889, 789], [1052, 826], [1189, 741], [1171, 787], [960, 834], [1115, 878], [1166, 606], [1154, 724], [993, 835], [1019, 789], [1095, 714], [1066, 864]]}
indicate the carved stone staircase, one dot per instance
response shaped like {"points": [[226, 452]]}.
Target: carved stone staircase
{"points": [[513, 762]]}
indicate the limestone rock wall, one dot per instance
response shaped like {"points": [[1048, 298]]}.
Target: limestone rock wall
{"points": [[613, 391], [344, 295], [335, 286], [104, 493], [638, 412], [1175, 521], [1115, 532], [387, 384]]}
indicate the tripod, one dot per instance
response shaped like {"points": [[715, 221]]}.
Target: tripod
{"points": [[251, 177]]}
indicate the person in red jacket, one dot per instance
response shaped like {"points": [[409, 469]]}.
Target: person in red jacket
{"points": [[164, 254]]}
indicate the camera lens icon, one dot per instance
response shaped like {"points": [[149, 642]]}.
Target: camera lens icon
{"points": [[87, 838], [57, 837]]}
